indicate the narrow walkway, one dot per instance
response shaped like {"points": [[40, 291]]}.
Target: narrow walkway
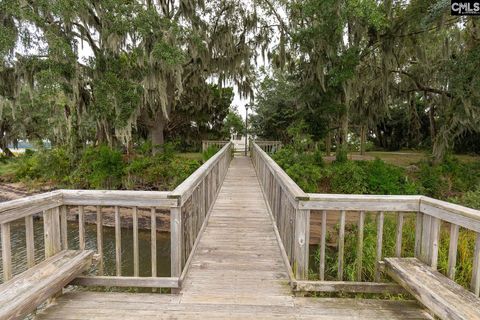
{"points": [[238, 260], [237, 273]]}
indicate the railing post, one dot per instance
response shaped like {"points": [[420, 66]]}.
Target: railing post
{"points": [[176, 240], [302, 230], [51, 226]]}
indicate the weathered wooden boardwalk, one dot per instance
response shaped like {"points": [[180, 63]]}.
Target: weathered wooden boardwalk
{"points": [[237, 272]]}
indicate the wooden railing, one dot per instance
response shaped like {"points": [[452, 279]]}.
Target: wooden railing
{"points": [[268, 146], [187, 206], [294, 211], [213, 143]]}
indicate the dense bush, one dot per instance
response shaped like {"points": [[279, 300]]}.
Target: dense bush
{"points": [[44, 165], [304, 168], [101, 167]]}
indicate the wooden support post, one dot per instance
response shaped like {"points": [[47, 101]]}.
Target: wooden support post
{"points": [[118, 242], [302, 237], [452, 251], [398, 235], [361, 225], [51, 229], [100, 240], [30, 241], [475, 283], [176, 241], [136, 256], [153, 230], [63, 227], [81, 228], [380, 218], [323, 238], [6, 252], [434, 242], [341, 245]]}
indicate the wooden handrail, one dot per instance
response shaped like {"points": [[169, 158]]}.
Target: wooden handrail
{"points": [[185, 189]]}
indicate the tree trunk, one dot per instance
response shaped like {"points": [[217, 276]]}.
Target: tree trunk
{"points": [[157, 135], [342, 148], [363, 139], [431, 118], [328, 143]]}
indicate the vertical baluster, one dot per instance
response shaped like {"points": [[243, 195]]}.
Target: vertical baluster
{"points": [[81, 227], [322, 245], [378, 258], [361, 224], [154, 241], [398, 235], [63, 227], [418, 234], [100, 240], [452, 250], [30, 242], [118, 242], [6, 251], [341, 245], [51, 231], [136, 260], [426, 239], [434, 240], [475, 283]]}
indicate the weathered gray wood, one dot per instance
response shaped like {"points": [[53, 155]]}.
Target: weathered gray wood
{"points": [[153, 239], [444, 297], [30, 241], [81, 227], [138, 282], [6, 251], [341, 245], [453, 213], [348, 287], [63, 227], [418, 234], [176, 241], [302, 228], [20, 208], [426, 238], [398, 235], [22, 294], [351, 202], [452, 251], [434, 242], [361, 226], [379, 247], [322, 245], [136, 255], [475, 283], [100, 240], [51, 231], [122, 198], [118, 242]]}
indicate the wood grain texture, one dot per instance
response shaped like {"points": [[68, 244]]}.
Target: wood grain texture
{"points": [[22, 294], [103, 306], [444, 297], [6, 251]]}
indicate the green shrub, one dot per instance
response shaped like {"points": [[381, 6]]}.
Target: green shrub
{"points": [[99, 168], [163, 171], [46, 165], [347, 177], [209, 152]]}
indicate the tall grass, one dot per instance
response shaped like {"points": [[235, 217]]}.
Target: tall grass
{"points": [[466, 244]]}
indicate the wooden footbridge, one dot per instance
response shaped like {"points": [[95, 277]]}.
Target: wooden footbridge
{"points": [[240, 234]]}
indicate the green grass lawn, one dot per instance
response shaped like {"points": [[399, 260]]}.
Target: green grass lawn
{"points": [[405, 158], [191, 155]]}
